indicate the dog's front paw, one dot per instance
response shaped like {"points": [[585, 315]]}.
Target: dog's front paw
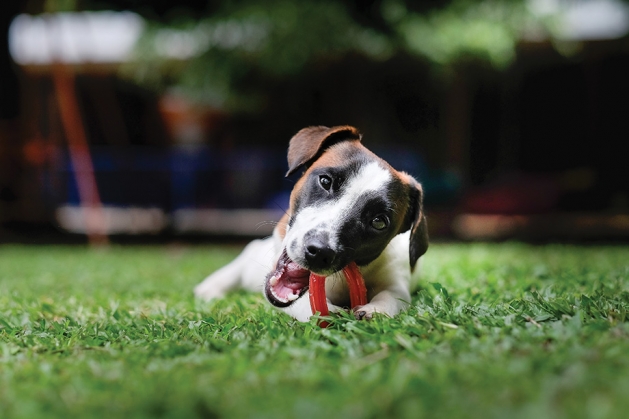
{"points": [[207, 292], [365, 312]]}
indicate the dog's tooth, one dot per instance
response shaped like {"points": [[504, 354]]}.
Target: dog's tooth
{"points": [[277, 297], [292, 297], [274, 279]]}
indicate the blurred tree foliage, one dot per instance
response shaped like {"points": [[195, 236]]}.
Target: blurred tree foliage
{"points": [[219, 55], [224, 54]]}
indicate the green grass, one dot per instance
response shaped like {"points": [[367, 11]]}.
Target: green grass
{"points": [[495, 331]]}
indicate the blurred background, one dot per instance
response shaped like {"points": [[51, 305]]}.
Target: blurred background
{"points": [[163, 119]]}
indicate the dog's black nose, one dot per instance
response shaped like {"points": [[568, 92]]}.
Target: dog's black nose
{"points": [[319, 255]]}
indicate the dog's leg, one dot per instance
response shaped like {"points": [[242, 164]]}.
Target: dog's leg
{"points": [[246, 271], [389, 302], [389, 279]]}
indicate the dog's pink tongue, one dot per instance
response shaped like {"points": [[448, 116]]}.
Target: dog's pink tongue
{"points": [[289, 281]]}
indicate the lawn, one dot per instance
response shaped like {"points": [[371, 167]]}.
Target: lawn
{"points": [[495, 331]]}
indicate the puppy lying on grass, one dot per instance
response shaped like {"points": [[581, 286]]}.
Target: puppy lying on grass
{"points": [[349, 205]]}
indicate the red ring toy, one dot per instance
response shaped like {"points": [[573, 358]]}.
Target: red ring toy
{"points": [[357, 291]]}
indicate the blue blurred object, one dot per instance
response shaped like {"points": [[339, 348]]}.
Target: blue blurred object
{"points": [[197, 176], [180, 177]]}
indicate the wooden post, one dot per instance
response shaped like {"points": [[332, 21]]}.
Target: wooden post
{"points": [[92, 209]]}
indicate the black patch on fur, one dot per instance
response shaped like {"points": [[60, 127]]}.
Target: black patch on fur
{"points": [[357, 233]]}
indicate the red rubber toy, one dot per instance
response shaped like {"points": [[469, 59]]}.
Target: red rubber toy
{"points": [[357, 291]]}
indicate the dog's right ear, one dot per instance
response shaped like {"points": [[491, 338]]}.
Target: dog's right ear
{"points": [[415, 220], [309, 143]]}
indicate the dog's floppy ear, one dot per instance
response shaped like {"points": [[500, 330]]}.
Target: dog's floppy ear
{"points": [[308, 144], [415, 220]]}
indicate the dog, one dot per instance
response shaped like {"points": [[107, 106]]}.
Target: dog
{"points": [[349, 205]]}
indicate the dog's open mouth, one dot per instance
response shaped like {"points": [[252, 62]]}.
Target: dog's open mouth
{"points": [[287, 282]]}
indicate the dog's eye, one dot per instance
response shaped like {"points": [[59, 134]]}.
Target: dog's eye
{"points": [[325, 182], [380, 222]]}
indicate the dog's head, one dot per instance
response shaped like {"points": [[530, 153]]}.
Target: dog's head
{"points": [[347, 206]]}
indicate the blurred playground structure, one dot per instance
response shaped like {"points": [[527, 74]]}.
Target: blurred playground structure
{"points": [[173, 118]]}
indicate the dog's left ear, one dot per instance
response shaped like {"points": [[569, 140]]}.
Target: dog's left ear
{"points": [[307, 145], [415, 220]]}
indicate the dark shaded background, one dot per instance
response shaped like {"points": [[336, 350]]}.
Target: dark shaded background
{"points": [[535, 150]]}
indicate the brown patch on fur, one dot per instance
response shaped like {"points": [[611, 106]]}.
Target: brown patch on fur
{"points": [[331, 157], [282, 224], [306, 146]]}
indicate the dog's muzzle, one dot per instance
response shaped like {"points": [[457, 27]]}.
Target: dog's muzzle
{"points": [[286, 283]]}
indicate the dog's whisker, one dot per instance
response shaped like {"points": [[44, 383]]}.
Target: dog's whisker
{"points": [[265, 223], [285, 211]]}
